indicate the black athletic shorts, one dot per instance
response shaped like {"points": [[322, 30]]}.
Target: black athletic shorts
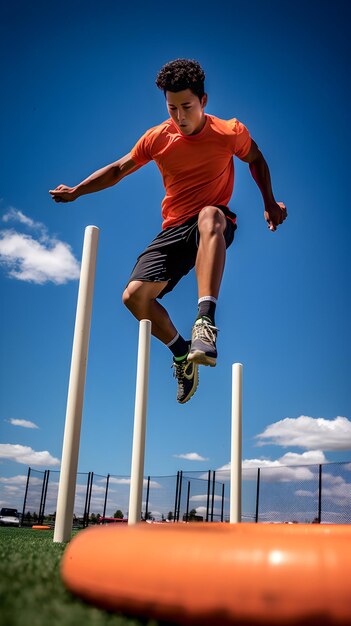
{"points": [[172, 254]]}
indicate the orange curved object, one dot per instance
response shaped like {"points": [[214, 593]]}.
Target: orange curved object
{"points": [[43, 527], [216, 574]]}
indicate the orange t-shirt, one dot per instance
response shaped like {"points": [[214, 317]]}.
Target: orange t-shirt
{"points": [[197, 170]]}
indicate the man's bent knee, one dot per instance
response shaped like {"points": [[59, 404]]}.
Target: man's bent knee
{"points": [[138, 293], [132, 293], [211, 220]]}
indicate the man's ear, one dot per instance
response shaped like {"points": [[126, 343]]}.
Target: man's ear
{"points": [[204, 100]]}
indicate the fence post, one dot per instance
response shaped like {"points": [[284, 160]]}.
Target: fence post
{"points": [[43, 498], [208, 495], [320, 494], [257, 493], [187, 502], [105, 502], [86, 502], [25, 496], [222, 507], [213, 493], [147, 498], [179, 493], [46, 491], [176, 498], [89, 500]]}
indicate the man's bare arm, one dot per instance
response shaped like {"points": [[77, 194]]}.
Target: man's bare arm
{"points": [[101, 179], [275, 212]]}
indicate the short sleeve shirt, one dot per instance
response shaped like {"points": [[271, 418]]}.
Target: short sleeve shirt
{"points": [[197, 170]]}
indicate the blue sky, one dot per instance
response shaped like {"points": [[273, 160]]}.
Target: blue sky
{"points": [[78, 91]]}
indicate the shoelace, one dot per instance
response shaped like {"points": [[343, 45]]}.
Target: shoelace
{"points": [[179, 370], [205, 332]]}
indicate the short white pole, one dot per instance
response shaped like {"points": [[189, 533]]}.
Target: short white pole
{"points": [[75, 399], [138, 452], [236, 445]]}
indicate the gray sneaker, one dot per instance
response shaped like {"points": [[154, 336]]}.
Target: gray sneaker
{"points": [[203, 343], [188, 379]]}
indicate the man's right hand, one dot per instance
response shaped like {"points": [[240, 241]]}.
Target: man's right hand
{"points": [[62, 193]]}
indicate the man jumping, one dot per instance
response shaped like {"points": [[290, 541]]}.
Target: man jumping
{"points": [[194, 153]]}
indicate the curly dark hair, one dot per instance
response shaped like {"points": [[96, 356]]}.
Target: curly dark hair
{"points": [[182, 74]]}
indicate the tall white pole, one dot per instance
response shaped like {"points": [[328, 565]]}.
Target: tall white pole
{"points": [[236, 444], [138, 452], [75, 399]]}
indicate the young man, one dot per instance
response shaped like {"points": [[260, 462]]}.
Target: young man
{"points": [[194, 153]]}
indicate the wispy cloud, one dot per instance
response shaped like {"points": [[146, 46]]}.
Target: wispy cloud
{"points": [[20, 479], [126, 481], [335, 489], [310, 433], [190, 456], [14, 215], [22, 423], [36, 258], [282, 469], [203, 498], [26, 455]]}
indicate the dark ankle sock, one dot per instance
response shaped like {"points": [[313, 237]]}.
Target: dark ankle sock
{"points": [[207, 308], [178, 346]]}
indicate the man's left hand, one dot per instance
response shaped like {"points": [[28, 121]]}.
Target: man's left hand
{"points": [[275, 213]]}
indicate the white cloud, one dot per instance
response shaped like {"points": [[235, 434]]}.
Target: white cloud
{"points": [[310, 457], [281, 470], [202, 498], [23, 423], [38, 262], [26, 455], [308, 432], [201, 510], [14, 215], [190, 456], [39, 258], [126, 481], [17, 480], [338, 493], [120, 481]]}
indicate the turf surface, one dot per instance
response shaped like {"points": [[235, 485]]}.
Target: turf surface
{"points": [[31, 591]]}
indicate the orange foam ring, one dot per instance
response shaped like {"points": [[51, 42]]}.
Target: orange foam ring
{"points": [[216, 574], [42, 527]]}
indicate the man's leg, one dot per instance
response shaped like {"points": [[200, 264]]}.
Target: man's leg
{"points": [[209, 268], [140, 298], [211, 253]]}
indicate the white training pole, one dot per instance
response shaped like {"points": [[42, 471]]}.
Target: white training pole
{"points": [[70, 449], [138, 453], [236, 447]]}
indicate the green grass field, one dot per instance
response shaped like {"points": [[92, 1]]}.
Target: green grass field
{"points": [[31, 591]]}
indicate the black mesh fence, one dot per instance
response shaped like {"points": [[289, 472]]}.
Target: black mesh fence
{"points": [[117, 495], [33, 497], [300, 494], [159, 498], [250, 484], [193, 497], [288, 494], [40, 499], [336, 493], [98, 489], [217, 498]]}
